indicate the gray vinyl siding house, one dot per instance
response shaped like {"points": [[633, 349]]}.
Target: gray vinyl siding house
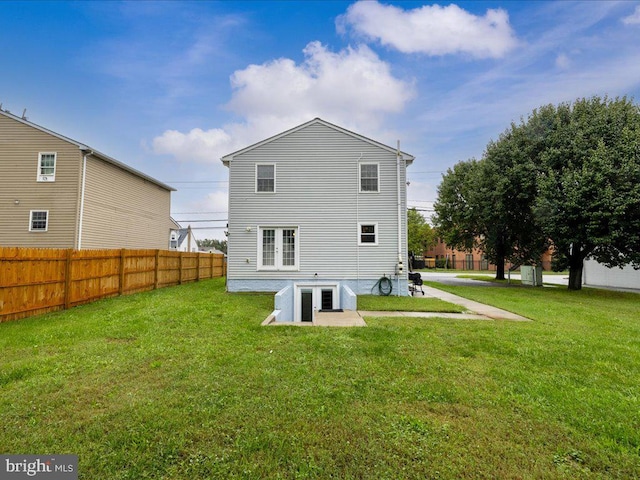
{"points": [[316, 209], [58, 193]]}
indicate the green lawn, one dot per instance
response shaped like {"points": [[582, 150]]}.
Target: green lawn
{"points": [[486, 278], [406, 304], [183, 383]]}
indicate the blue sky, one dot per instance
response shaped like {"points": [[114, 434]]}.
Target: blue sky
{"points": [[170, 87]]}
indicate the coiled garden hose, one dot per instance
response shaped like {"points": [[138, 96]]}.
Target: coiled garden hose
{"points": [[385, 287]]}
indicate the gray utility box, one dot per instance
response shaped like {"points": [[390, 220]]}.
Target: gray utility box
{"points": [[531, 275]]}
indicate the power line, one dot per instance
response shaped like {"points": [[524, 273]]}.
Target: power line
{"points": [[198, 181], [196, 188], [208, 228], [195, 221], [197, 213]]}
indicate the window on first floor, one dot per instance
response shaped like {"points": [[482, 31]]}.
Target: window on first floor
{"points": [[38, 220], [278, 248], [46, 167], [367, 233]]}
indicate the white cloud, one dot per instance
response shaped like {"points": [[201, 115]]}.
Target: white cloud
{"points": [[351, 82], [432, 29], [563, 62], [353, 88], [196, 145], [634, 18]]}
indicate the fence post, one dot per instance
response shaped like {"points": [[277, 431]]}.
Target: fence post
{"points": [[180, 268], [122, 258], [67, 279], [198, 268], [156, 273]]}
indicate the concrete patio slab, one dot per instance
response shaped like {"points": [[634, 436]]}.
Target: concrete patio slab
{"points": [[348, 318]]}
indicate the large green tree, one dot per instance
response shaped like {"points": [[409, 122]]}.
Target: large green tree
{"points": [[568, 175], [588, 200], [456, 220], [421, 236], [487, 204], [213, 243], [507, 185]]}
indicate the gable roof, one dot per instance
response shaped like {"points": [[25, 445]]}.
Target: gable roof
{"points": [[88, 150], [176, 225], [228, 158]]}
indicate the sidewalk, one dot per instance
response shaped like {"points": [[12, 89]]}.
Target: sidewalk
{"points": [[476, 307], [476, 310]]}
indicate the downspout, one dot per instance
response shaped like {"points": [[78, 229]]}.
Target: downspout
{"points": [[82, 189], [358, 224], [400, 265]]}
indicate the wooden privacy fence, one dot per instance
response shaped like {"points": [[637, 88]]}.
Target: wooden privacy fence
{"points": [[40, 280]]}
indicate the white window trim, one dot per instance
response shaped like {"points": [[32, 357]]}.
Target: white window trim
{"points": [[278, 267], [360, 177], [47, 178], [274, 178], [46, 227], [377, 234]]}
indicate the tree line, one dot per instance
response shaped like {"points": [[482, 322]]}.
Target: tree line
{"points": [[566, 177], [213, 243]]}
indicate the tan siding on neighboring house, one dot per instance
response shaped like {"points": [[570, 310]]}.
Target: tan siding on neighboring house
{"points": [[122, 210], [19, 148]]}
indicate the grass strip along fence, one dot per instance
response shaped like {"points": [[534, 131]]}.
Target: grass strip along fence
{"points": [[40, 280]]}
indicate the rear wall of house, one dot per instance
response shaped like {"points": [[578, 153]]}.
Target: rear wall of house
{"points": [[122, 210], [317, 190], [20, 192]]}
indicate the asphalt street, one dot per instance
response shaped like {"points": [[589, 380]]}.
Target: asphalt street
{"points": [[452, 279]]}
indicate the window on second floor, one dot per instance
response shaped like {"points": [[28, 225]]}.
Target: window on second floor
{"points": [[265, 178], [46, 167], [369, 177], [38, 220]]}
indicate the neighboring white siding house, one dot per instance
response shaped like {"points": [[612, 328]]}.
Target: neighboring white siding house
{"points": [[183, 240], [318, 209], [595, 274]]}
